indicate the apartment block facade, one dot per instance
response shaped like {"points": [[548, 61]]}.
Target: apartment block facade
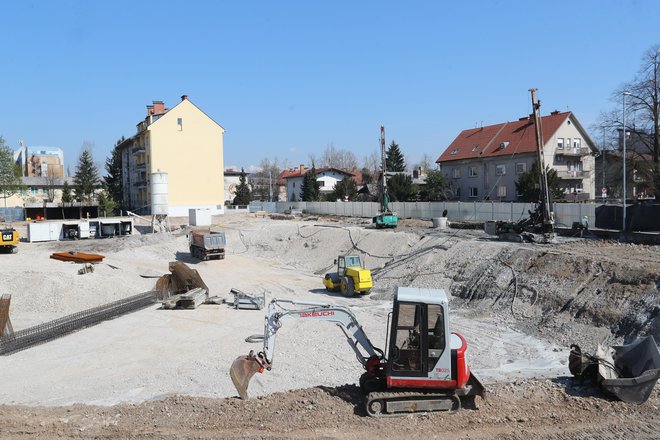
{"points": [[485, 163], [183, 142]]}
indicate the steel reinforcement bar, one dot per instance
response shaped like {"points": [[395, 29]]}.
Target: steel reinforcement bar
{"points": [[47, 331]]}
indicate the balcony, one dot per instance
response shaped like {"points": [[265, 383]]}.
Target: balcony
{"points": [[574, 174], [140, 183], [579, 152], [140, 165], [138, 150]]}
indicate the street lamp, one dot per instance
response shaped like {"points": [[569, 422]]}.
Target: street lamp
{"points": [[624, 160]]}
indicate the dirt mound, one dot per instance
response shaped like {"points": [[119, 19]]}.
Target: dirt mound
{"points": [[540, 409]]}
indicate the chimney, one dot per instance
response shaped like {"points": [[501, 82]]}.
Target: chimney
{"points": [[556, 112], [184, 97], [301, 168], [158, 107], [150, 110]]}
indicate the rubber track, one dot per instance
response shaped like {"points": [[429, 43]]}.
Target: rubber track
{"points": [[393, 396], [47, 331]]}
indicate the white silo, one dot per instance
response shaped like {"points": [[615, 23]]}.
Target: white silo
{"points": [[159, 192]]}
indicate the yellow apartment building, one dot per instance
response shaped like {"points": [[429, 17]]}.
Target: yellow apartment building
{"points": [[187, 145]]}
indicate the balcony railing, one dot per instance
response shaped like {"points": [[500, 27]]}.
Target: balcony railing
{"points": [[574, 152], [138, 150], [140, 165], [574, 174]]}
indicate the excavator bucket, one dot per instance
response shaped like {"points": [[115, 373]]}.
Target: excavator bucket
{"points": [[242, 370], [476, 388]]}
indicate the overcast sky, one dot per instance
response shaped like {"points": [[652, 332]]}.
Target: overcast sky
{"points": [[288, 78]]}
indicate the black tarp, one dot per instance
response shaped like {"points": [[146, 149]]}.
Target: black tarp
{"points": [[635, 373]]}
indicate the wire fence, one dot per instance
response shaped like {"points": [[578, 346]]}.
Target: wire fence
{"points": [[47, 331]]}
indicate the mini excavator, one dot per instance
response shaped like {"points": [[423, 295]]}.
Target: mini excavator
{"points": [[424, 370]]}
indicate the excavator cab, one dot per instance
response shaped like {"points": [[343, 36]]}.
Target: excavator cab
{"points": [[423, 353], [419, 338]]}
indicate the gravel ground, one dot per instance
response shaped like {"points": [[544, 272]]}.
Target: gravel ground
{"points": [[519, 306]]}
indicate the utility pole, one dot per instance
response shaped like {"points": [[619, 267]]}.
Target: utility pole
{"points": [[623, 227], [548, 220]]}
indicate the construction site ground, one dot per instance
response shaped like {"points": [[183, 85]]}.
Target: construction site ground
{"points": [[164, 373]]}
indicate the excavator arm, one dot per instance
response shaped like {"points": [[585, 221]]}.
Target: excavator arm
{"points": [[244, 367]]}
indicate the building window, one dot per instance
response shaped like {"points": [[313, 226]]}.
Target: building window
{"points": [[500, 170], [560, 143], [501, 191], [578, 188], [576, 143], [521, 167], [474, 192], [456, 173], [454, 152], [458, 192], [559, 158], [321, 183], [294, 184], [568, 142], [179, 123], [472, 171]]}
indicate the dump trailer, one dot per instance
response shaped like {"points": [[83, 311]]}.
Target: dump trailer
{"points": [[207, 245]]}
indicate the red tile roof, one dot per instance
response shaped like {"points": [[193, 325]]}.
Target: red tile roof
{"points": [[486, 141]]}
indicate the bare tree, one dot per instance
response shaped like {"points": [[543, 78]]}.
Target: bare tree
{"points": [[643, 109], [51, 181], [264, 180], [372, 162], [339, 158], [426, 162]]}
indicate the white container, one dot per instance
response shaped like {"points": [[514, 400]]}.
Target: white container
{"points": [[199, 217], [159, 191], [439, 222]]}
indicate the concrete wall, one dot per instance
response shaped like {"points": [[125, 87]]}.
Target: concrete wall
{"points": [[565, 213]]}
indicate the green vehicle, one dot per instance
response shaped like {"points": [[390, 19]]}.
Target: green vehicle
{"points": [[385, 218]]}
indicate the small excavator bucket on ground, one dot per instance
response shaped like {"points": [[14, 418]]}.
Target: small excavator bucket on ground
{"points": [[242, 370], [476, 387]]}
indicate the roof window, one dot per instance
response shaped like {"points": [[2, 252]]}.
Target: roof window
{"points": [[454, 152], [475, 148]]}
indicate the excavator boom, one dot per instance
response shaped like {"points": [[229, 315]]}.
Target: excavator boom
{"points": [[244, 367]]}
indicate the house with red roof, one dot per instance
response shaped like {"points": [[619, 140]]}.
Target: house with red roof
{"points": [[327, 177], [485, 163]]}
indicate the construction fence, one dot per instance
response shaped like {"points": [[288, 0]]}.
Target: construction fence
{"points": [[639, 216], [565, 213]]}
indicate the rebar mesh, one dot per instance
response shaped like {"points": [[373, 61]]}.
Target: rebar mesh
{"points": [[47, 331]]}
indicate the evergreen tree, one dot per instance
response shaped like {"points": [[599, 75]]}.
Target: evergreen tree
{"points": [[243, 195], [434, 189], [394, 160], [86, 179], [106, 203], [400, 188], [367, 178], [310, 190], [529, 188], [66, 193], [113, 180], [10, 172], [345, 189]]}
